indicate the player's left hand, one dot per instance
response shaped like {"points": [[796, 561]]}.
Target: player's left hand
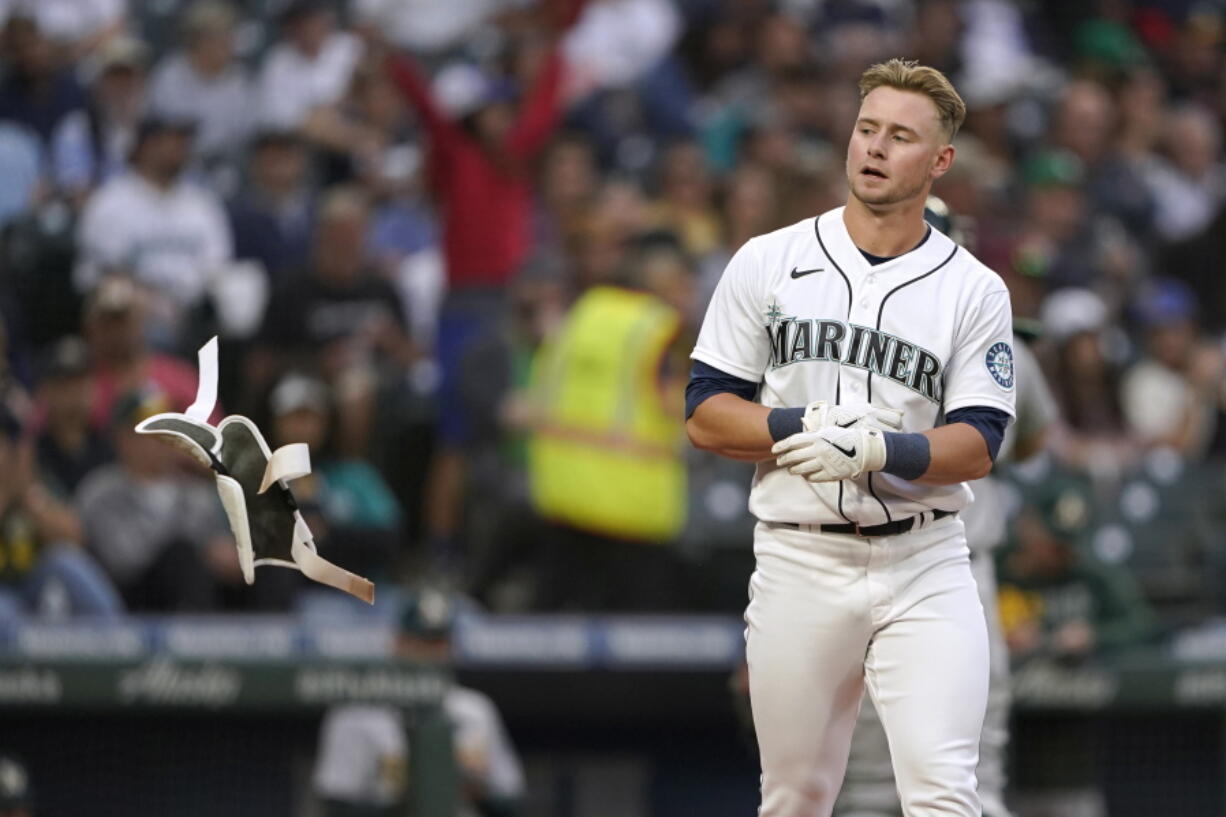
{"points": [[820, 414], [831, 454]]}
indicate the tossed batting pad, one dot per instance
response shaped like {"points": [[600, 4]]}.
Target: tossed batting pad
{"points": [[253, 484]]}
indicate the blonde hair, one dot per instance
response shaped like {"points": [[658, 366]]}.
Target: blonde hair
{"points": [[909, 75]]}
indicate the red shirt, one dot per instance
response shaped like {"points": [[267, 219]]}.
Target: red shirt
{"points": [[174, 378], [486, 204]]}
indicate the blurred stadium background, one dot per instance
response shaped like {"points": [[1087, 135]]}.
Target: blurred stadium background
{"points": [[394, 213]]}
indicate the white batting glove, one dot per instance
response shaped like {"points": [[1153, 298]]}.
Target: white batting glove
{"points": [[820, 414], [831, 454]]}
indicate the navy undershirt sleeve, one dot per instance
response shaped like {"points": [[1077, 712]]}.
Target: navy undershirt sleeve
{"points": [[990, 422], [708, 381]]}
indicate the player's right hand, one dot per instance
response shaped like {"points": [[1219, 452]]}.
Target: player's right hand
{"points": [[832, 453], [820, 414]]}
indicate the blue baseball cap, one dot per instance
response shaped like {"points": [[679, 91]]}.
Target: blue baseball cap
{"points": [[1165, 302]]}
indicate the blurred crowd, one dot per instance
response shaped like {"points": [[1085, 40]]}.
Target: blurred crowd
{"points": [[462, 250]]}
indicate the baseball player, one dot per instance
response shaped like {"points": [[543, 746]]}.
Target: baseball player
{"points": [[869, 789], [16, 796], [864, 361], [362, 768]]}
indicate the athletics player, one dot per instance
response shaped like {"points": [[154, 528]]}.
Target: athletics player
{"points": [[362, 768], [864, 361], [869, 789]]}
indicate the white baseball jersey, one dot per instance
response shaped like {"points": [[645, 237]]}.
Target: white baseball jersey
{"points": [[802, 312], [364, 756]]}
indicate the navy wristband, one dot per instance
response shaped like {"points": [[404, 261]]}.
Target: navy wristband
{"points": [[906, 455], [784, 422]]}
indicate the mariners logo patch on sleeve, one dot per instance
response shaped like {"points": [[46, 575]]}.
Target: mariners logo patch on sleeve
{"points": [[1000, 364]]}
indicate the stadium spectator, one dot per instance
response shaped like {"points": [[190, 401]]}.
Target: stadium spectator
{"points": [[121, 359], [604, 463], [21, 164], [686, 203], [1192, 58], [1194, 261], [605, 235], [308, 71], [480, 149], [1190, 184], [356, 519], [160, 533], [617, 44], [340, 319], [1085, 374], [1055, 238], [366, 137], [78, 26], [378, 149], [91, 146], [169, 234], [203, 83], [69, 446], [1086, 123], [502, 533], [569, 182], [937, 32], [1140, 96], [988, 119], [751, 206], [425, 26], [363, 760], [1180, 365], [272, 215], [14, 398], [626, 88], [43, 569], [37, 90]]}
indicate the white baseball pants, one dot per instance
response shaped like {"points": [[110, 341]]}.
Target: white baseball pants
{"points": [[868, 788], [832, 614]]}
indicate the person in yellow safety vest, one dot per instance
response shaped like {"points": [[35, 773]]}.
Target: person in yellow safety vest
{"points": [[605, 455]]}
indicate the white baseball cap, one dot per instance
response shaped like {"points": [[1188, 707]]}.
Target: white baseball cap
{"points": [[1071, 311], [462, 88]]}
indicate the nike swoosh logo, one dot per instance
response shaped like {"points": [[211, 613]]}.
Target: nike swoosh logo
{"points": [[801, 273], [847, 424], [846, 452]]}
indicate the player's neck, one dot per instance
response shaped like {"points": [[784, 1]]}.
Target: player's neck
{"points": [[884, 233]]}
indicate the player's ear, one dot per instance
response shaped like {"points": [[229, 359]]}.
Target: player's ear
{"points": [[943, 162]]}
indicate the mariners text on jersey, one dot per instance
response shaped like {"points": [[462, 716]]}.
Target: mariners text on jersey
{"points": [[797, 340]]}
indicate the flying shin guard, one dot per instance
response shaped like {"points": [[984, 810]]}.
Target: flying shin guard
{"points": [[253, 484]]}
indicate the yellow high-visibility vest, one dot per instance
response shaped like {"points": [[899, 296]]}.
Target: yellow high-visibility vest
{"points": [[605, 455]]}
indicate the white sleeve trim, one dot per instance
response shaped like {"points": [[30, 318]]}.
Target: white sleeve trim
{"points": [[726, 366], [981, 400]]}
